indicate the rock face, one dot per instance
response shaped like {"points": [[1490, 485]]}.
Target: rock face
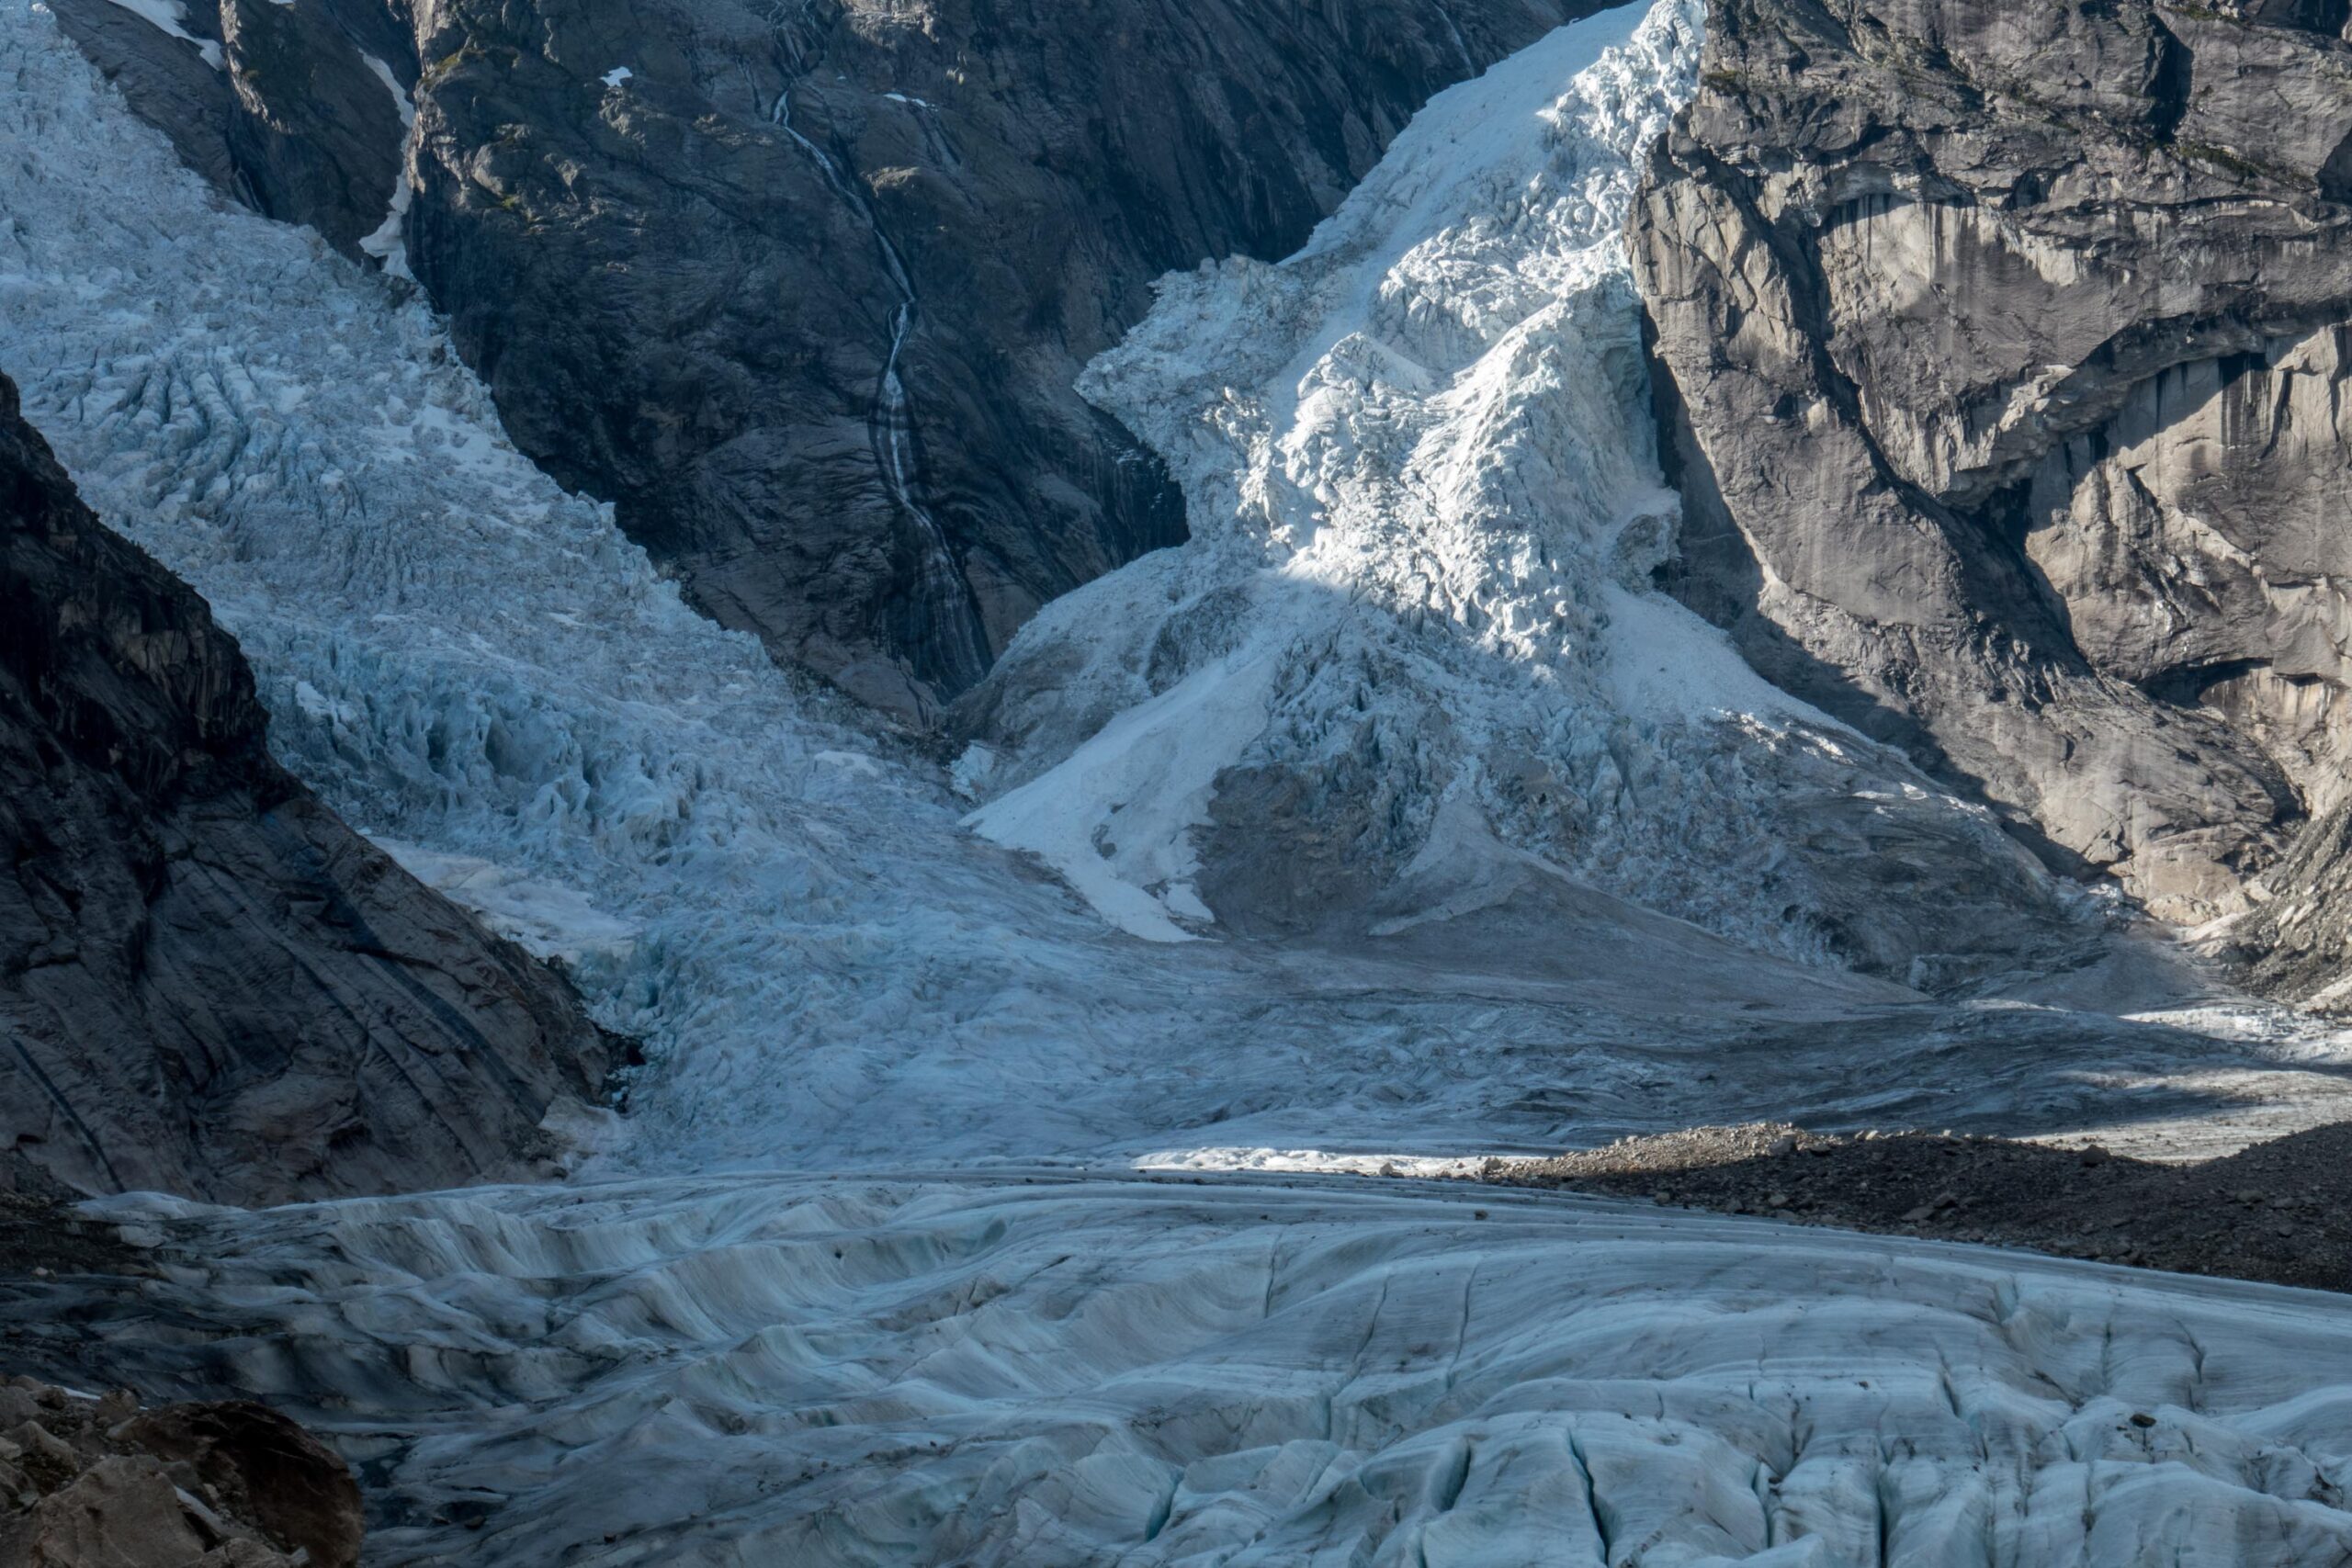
{"points": [[2000, 353], [2298, 943], [804, 289], [208, 984], [102, 1484]]}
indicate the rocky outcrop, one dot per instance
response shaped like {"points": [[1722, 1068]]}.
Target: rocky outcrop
{"points": [[2001, 353], [2296, 945], [804, 289], [101, 1483], [208, 984]]}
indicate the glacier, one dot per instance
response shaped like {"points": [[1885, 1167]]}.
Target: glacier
{"points": [[1042, 1369], [479, 669], [868, 1273], [1412, 682]]}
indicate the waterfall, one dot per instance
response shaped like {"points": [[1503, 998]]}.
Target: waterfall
{"points": [[949, 647]]}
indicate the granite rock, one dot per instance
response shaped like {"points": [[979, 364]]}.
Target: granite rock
{"points": [[1999, 357]]}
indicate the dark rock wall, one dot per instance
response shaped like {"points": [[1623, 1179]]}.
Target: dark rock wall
{"points": [[2000, 350], [207, 983], [806, 291]]}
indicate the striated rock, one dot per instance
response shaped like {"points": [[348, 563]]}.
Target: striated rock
{"points": [[2000, 358], [804, 289], [293, 109], [173, 79], [316, 129], [208, 984], [223, 1485]]}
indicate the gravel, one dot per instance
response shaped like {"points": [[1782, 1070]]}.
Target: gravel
{"points": [[2279, 1212]]}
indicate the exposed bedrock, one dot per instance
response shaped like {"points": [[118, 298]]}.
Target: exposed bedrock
{"points": [[2000, 353], [98, 1483], [208, 984], [803, 287]]}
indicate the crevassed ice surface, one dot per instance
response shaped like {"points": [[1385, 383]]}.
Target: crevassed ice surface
{"points": [[1418, 475], [477, 668], [1411, 668], [1027, 1365], [780, 1370]]}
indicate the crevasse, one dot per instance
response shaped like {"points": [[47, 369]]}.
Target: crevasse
{"points": [[935, 1341]]}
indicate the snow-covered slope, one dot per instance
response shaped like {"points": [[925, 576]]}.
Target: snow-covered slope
{"points": [[1017, 1365], [1411, 668]]}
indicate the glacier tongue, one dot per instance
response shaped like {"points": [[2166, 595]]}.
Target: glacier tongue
{"points": [[1426, 514], [1032, 1371]]}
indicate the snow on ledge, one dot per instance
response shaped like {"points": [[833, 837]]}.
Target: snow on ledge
{"points": [[171, 16]]}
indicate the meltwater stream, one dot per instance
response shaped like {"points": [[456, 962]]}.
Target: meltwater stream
{"points": [[951, 643], [867, 1276]]}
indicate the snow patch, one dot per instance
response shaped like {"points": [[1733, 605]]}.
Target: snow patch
{"points": [[856, 763], [388, 243], [171, 16], [1115, 817], [549, 921], [1315, 1162]]}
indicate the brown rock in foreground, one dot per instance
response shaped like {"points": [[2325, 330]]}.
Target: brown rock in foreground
{"points": [[208, 984], [100, 1483]]}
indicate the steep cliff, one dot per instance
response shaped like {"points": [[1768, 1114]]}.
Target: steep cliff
{"points": [[2000, 354], [803, 288], [208, 984]]}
